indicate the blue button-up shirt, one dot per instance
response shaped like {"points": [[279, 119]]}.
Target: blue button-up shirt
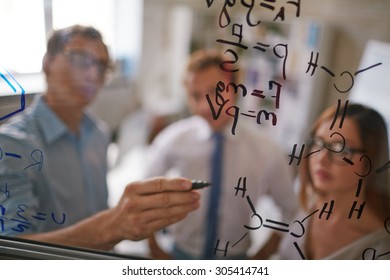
{"points": [[49, 177]]}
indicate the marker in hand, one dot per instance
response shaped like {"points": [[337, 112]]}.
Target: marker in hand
{"points": [[196, 185]]}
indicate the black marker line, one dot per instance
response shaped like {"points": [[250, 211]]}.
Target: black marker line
{"points": [[350, 162], [383, 168], [337, 114], [359, 188], [299, 251], [365, 69], [310, 215], [381, 255], [251, 204], [328, 71], [240, 240], [311, 153], [275, 227]]}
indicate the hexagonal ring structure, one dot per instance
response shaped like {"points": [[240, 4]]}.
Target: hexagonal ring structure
{"points": [[9, 82]]}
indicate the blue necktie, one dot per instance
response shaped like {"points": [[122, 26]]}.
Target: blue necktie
{"points": [[215, 191]]}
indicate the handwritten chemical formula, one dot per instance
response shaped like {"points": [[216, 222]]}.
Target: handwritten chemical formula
{"points": [[21, 220], [297, 229], [235, 45]]}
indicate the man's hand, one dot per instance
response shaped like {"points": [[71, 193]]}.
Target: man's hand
{"points": [[149, 205]]}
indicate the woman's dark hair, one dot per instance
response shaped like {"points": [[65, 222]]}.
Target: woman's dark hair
{"points": [[374, 138]]}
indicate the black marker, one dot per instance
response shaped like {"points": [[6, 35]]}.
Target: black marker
{"points": [[199, 185]]}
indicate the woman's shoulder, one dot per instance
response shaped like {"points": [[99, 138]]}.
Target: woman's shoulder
{"points": [[373, 246]]}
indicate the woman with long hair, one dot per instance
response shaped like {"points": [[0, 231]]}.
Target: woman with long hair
{"points": [[344, 192]]}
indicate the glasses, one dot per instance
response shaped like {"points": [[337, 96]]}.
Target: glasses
{"points": [[85, 61], [338, 152]]}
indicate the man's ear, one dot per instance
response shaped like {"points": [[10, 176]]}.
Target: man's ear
{"points": [[46, 63]]}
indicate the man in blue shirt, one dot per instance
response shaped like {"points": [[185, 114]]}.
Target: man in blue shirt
{"points": [[53, 160]]}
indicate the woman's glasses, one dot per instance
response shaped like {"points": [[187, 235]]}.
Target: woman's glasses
{"points": [[337, 151]]}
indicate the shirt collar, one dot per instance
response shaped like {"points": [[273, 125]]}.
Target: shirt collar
{"points": [[52, 127], [207, 133]]}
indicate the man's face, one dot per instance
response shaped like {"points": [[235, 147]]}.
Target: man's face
{"points": [[75, 75], [204, 82]]}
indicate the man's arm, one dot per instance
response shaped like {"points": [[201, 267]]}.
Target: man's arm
{"points": [[145, 207]]}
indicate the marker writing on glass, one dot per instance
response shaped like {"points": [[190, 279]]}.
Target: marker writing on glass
{"points": [[199, 185]]}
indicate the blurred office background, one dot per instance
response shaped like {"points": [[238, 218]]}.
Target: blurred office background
{"points": [[149, 41]]}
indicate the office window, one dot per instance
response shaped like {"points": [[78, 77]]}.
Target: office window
{"points": [[22, 35], [98, 13], [120, 22], [25, 23]]}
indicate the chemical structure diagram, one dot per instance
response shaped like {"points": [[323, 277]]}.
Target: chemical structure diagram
{"points": [[298, 227], [345, 83]]}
